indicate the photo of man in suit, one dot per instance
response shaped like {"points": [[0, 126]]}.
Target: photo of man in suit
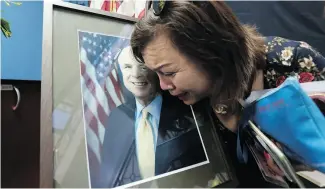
{"points": [[150, 134]]}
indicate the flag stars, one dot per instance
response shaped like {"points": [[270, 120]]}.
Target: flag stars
{"points": [[101, 52], [101, 65], [106, 58], [100, 74]]}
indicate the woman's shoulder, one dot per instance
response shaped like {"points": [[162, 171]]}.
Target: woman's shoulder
{"points": [[286, 57], [275, 42], [284, 51]]}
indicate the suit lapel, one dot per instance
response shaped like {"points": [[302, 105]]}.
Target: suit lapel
{"points": [[130, 166], [129, 109]]}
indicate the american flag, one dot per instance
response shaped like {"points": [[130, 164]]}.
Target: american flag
{"points": [[133, 8], [100, 88]]}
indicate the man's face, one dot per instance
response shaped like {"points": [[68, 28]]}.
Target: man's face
{"points": [[139, 80]]}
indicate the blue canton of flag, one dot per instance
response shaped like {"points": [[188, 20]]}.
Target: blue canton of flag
{"points": [[102, 52], [80, 2], [99, 53]]}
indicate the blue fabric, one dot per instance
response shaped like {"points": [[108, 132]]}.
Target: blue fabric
{"points": [[291, 117], [242, 151]]}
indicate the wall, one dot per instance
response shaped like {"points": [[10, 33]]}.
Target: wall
{"points": [[297, 20], [21, 54]]}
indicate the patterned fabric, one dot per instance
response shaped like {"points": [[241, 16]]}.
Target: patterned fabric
{"points": [[286, 57]]}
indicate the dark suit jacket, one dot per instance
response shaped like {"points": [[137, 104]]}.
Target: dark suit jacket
{"points": [[178, 143]]}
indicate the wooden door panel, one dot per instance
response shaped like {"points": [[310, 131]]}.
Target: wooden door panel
{"points": [[20, 136]]}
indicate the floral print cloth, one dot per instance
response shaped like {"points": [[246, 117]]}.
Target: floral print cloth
{"points": [[286, 57]]}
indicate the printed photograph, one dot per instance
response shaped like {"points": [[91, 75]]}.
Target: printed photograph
{"points": [[134, 131]]}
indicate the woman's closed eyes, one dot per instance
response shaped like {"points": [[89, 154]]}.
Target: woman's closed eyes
{"points": [[169, 74]]}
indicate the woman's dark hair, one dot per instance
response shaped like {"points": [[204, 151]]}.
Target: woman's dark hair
{"points": [[209, 34]]}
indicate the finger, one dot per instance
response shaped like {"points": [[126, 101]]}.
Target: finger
{"points": [[272, 165]]}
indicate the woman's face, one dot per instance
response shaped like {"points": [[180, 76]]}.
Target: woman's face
{"points": [[183, 78]]}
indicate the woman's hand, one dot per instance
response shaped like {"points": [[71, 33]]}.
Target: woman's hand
{"points": [[275, 168], [272, 165]]}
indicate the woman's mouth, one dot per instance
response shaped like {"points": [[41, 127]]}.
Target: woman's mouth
{"points": [[182, 96]]}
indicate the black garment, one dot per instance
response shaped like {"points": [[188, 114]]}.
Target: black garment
{"points": [[244, 175], [248, 175]]}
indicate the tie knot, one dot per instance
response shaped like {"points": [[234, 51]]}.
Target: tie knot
{"points": [[145, 114]]}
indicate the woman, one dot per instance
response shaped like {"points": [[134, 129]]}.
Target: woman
{"points": [[200, 50]]}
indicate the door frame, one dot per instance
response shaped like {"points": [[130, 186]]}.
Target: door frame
{"points": [[46, 131]]}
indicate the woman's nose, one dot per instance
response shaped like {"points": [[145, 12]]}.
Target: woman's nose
{"points": [[163, 84]]}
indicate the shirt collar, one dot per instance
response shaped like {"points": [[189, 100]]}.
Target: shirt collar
{"points": [[153, 108]]}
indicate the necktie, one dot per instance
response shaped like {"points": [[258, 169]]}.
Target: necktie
{"points": [[145, 145]]}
